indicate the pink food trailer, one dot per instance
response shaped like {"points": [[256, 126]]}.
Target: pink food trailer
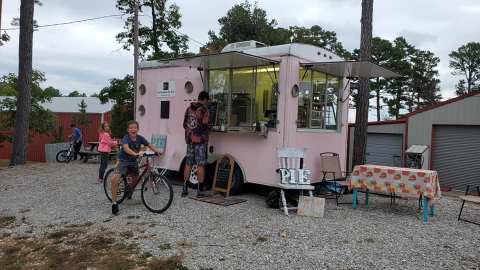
{"points": [[265, 97]]}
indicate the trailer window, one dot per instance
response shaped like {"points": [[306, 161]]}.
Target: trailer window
{"points": [[317, 100], [245, 96], [219, 85]]}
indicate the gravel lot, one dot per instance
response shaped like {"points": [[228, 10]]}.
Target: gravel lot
{"points": [[45, 198]]}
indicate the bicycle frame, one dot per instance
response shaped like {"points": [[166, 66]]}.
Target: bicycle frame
{"points": [[144, 169]]}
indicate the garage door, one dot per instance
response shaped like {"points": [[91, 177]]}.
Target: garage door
{"points": [[456, 155], [384, 149]]}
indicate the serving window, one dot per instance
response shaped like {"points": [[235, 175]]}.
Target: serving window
{"points": [[318, 100], [246, 98]]}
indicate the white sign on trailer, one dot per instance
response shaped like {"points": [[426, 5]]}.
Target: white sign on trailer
{"points": [[166, 89]]}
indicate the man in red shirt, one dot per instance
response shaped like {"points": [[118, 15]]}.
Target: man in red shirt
{"points": [[196, 125]]}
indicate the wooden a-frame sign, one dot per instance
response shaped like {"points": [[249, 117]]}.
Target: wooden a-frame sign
{"points": [[222, 181]]}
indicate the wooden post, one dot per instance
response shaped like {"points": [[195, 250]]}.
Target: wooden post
{"points": [[135, 56]]}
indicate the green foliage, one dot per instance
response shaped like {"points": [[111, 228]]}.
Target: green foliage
{"points": [[41, 120], [76, 94], [245, 21], [160, 34], [59, 135], [465, 61], [460, 88], [122, 92], [419, 85], [81, 119], [52, 92]]}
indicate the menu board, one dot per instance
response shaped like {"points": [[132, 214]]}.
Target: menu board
{"points": [[222, 181]]}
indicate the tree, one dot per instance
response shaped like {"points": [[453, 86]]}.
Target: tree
{"points": [[361, 120], [53, 92], [122, 92], [162, 33], [23, 107], [465, 61], [245, 21], [242, 22], [460, 88], [320, 37], [76, 94], [82, 119], [42, 121], [425, 84]]}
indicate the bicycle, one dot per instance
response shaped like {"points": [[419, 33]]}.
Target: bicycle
{"points": [[156, 190], [65, 156]]}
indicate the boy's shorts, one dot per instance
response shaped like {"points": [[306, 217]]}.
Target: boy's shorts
{"points": [[197, 154], [125, 168]]}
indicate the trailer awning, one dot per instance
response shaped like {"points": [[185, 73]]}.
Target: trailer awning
{"points": [[212, 61], [352, 69]]}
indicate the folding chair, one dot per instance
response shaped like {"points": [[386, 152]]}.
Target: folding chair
{"points": [[471, 199], [291, 158], [332, 172]]}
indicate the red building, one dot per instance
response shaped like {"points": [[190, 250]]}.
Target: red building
{"points": [[65, 108]]}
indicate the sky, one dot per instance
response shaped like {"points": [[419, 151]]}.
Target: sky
{"points": [[85, 56]]}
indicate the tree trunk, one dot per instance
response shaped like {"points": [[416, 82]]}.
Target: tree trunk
{"points": [[156, 48], [361, 119], [24, 91]]}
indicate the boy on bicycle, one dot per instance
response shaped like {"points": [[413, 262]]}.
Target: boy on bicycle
{"points": [[131, 149]]}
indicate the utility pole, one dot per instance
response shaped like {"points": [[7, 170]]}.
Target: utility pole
{"points": [[135, 56]]}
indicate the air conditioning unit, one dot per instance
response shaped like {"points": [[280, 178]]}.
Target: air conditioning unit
{"points": [[243, 45]]}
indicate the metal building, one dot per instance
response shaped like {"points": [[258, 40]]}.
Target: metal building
{"points": [[450, 129]]}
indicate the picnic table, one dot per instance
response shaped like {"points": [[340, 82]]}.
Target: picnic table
{"points": [[92, 151], [402, 182]]}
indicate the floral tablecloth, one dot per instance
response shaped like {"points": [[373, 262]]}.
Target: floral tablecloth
{"points": [[403, 182]]}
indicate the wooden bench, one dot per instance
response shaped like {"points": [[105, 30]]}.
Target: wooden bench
{"points": [[471, 199]]}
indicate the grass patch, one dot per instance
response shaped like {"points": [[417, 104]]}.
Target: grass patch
{"points": [[262, 239], [7, 221], [167, 263], [165, 246], [81, 251], [63, 233], [127, 234], [83, 225]]}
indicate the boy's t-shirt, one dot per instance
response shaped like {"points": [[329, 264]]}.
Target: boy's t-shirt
{"points": [[77, 134], [134, 145]]}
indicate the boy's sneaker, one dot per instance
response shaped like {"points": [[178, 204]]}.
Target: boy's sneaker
{"points": [[115, 209], [185, 190]]}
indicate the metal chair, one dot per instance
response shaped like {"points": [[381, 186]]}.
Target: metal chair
{"points": [[291, 158], [332, 172], [471, 199]]}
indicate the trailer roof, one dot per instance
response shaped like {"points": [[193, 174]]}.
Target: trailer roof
{"points": [[212, 61], [352, 69]]}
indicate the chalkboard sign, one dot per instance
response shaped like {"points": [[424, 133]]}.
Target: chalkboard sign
{"points": [[222, 181], [213, 110]]}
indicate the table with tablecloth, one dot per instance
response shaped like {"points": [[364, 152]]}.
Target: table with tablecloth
{"points": [[402, 182]]}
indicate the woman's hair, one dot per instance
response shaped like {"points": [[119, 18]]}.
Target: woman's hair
{"points": [[102, 127]]}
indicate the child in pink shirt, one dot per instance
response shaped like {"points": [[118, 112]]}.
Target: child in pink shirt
{"points": [[104, 147]]}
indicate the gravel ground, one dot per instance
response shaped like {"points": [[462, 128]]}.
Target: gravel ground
{"points": [[46, 198]]}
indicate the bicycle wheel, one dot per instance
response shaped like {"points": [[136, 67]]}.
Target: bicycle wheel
{"points": [[62, 156], [157, 193], [107, 186]]}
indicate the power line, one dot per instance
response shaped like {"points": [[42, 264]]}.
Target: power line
{"points": [[65, 23]]}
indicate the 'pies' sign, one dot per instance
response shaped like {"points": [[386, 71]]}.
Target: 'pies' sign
{"points": [[295, 176]]}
